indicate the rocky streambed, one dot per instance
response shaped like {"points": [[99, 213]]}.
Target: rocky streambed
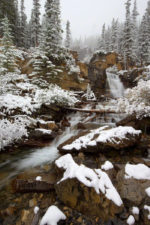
{"points": [[89, 196]]}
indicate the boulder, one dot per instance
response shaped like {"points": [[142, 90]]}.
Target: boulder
{"points": [[42, 134], [77, 189], [102, 139], [49, 125], [131, 190]]}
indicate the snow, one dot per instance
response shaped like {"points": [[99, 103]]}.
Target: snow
{"points": [[36, 209], [38, 178], [135, 210], [130, 220], [11, 102], [114, 135], [118, 132], [97, 179], [148, 191], [84, 141], [55, 95], [139, 172], [107, 166], [44, 131], [136, 100], [52, 216], [146, 207]]}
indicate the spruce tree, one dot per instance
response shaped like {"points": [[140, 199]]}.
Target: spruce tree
{"points": [[114, 36], [68, 35], [128, 41], [102, 41], [53, 28], [7, 57], [134, 30], [35, 23], [23, 26]]}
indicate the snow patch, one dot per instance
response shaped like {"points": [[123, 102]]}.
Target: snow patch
{"points": [[135, 210], [36, 209], [97, 179], [38, 178], [148, 191], [52, 216], [139, 172], [130, 220], [107, 166]]}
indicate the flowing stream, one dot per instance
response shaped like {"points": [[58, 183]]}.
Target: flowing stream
{"points": [[115, 85], [26, 159]]}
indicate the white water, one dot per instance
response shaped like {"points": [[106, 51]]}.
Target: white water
{"points": [[115, 85]]}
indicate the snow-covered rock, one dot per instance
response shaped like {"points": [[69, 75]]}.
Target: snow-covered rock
{"points": [[94, 183], [107, 166], [130, 220], [52, 216], [103, 138], [148, 191]]}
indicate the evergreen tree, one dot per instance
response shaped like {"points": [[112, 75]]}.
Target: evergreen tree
{"points": [[7, 57], [128, 41], [68, 35], [53, 28], [23, 26], [17, 24], [134, 29], [114, 36], [144, 40], [102, 41], [35, 23]]}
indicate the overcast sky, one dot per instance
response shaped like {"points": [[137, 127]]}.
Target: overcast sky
{"points": [[88, 16]]}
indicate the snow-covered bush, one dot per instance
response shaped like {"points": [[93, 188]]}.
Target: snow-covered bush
{"points": [[9, 103], [55, 95], [137, 100], [11, 132]]}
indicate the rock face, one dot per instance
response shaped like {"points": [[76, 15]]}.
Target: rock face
{"points": [[129, 78], [97, 71]]}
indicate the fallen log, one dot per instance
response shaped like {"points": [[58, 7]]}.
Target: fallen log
{"points": [[27, 186], [98, 111]]}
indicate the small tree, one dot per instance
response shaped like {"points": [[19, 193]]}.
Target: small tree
{"points": [[68, 35]]}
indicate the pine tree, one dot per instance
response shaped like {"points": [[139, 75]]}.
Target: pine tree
{"points": [[7, 57], [53, 28], [102, 41], [128, 41], [35, 23], [144, 40], [17, 24], [68, 35], [134, 30], [23, 26], [114, 36]]}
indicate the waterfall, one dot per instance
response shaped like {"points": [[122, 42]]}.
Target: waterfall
{"points": [[115, 85]]}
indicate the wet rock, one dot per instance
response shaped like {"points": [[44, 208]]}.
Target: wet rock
{"points": [[131, 190], [48, 125], [42, 134]]}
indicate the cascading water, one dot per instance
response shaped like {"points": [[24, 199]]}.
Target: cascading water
{"points": [[116, 86]]}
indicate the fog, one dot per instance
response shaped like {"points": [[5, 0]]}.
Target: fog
{"points": [[88, 16]]}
